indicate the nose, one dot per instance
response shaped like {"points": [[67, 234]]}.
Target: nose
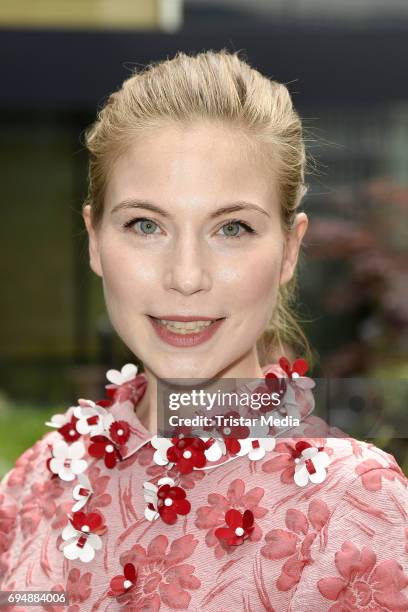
{"points": [[187, 268]]}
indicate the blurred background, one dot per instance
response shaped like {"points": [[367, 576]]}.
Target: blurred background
{"points": [[345, 64]]}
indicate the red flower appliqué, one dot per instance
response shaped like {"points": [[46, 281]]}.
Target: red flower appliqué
{"points": [[165, 500], [240, 527], [122, 583], [68, 431], [119, 432], [187, 454], [213, 516], [275, 384], [298, 368], [232, 434], [93, 521], [101, 446], [171, 502], [109, 448]]}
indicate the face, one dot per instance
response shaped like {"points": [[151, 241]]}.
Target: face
{"points": [[188, 257]]}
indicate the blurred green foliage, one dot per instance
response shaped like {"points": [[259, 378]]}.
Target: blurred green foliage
{"points": [[21, 425]]}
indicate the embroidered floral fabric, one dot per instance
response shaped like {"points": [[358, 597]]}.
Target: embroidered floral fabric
{"points": [[125, 521]]}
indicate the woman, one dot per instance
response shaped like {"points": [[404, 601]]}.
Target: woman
{"points": [[196, 174]]}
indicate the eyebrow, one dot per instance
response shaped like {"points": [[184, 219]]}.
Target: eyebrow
{"points": [[146, 204]]}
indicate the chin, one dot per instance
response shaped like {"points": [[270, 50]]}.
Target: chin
{"points": [[191, 371]]}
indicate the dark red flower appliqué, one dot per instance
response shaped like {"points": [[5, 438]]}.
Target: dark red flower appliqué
{"points": [[100, 447], [122, 583], [275, 384], [212, 517], [68, 431], [240, 527], [105, 403], [231, 434], [92, 521], [119, 432], [171, 502], [298, 368], [187, 454]]}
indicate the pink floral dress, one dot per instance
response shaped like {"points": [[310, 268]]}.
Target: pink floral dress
{"points": [[121, 520]]}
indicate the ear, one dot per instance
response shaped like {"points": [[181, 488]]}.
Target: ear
{"points": [[94, 258], [292, 247]]}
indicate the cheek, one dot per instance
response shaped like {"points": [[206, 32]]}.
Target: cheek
{"points": [[253, 281], [125, 280]]}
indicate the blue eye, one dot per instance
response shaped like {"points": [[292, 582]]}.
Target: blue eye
{"points": [[235, 224], [147, 227]]}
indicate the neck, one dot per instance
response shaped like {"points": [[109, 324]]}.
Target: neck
{"points": [[247, 366]]}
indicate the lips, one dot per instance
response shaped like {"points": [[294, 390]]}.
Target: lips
{"points": [[188, 338]]}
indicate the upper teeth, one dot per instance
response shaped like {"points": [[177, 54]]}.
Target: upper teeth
{"points": [[181, 325]]}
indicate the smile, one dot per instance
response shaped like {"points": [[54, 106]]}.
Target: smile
{"points": [[185, 333]]}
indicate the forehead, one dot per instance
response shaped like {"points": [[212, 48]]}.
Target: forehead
{"points": [[196, 165]]}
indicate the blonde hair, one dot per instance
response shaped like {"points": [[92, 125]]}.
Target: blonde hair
{"points": [[222, 87]]}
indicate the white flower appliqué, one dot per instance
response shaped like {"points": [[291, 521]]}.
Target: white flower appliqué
{"points": [[161, 445], [59, 420], [66, 459], [80, 537], [92, 419], [126, 374], [82, 492], [215, 450], [256, 448], [311, 464]]}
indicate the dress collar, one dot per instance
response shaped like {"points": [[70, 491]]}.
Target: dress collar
{"points": [[81, 536], [125, 407]]}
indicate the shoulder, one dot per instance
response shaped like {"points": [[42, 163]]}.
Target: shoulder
{"points": [[366, 539], [30, 465], [357, 481], [363, 463], [360, 469], [374, 497], [22, 483]]}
